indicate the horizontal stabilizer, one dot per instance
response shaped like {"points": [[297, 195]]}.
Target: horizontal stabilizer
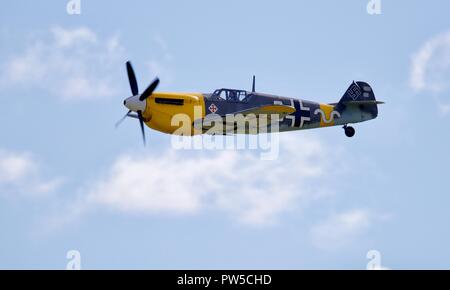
{"points": [[368, 102]]}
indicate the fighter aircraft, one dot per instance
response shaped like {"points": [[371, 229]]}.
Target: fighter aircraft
{"points": [[157, 110]]}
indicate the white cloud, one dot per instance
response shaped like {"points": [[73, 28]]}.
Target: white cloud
{"points": [[14, 166], [72, 64], [430, 67], [234, 182], [444, 109], [340, 229], [160, 65], [69, 38], [20, 174], [158, 69], [164, 47]]}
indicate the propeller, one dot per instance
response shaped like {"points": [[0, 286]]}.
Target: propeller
{"points": [[136, 103], [122, 119]]}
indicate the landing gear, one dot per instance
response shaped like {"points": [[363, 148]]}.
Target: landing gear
{"points": [[349, 131]]}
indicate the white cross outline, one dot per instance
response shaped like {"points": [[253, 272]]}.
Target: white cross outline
{"points": [[292, 117], [303, 119]]}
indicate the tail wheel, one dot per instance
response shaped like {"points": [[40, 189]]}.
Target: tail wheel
{"points": [[349, 131]]}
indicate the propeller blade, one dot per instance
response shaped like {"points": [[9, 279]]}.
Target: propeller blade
{"points": [[121, 120], [149, 91], [141, 122], [132, 79]]}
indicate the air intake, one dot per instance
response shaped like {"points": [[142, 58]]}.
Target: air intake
{"points": [[167, 101]]}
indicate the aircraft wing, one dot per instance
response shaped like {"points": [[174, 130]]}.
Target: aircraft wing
{"points": [[268, 111], [280, 110]]}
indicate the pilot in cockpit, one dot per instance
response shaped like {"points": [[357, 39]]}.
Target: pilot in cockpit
{"points": [[232, 96]]}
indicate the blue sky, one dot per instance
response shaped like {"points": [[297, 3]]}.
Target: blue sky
{"points": [[69, 180]]}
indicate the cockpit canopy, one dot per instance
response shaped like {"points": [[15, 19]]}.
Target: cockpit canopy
{"points": [[231, 95]]}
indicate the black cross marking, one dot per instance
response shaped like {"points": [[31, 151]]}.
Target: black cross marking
{"points": [[299, 113]]}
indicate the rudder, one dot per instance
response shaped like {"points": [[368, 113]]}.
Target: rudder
{"points": [[358, 91], [359, 95]]}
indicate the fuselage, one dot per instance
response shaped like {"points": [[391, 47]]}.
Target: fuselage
{"points": [[161, 109]]}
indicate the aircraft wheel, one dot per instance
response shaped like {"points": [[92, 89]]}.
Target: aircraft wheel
{"points": [[349, 131]]}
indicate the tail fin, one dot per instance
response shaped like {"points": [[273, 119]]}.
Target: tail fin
{"points": [[358, 91], [359, 94]]}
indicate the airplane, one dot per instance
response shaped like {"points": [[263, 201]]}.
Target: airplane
{"points": [[158, 109]]}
